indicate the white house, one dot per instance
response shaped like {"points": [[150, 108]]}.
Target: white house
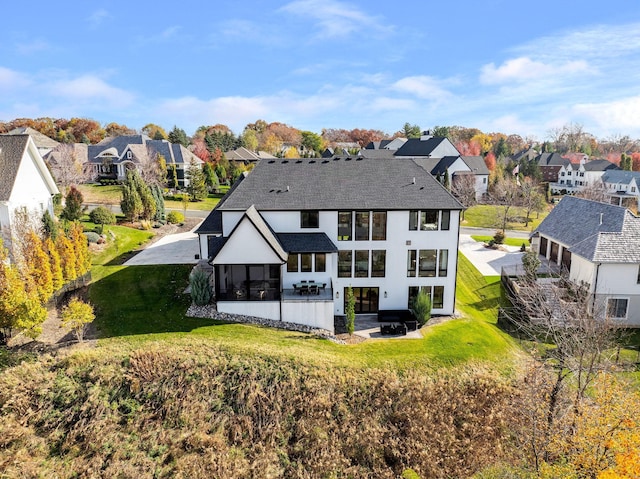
{"points": [[574, 177], [384, 228], [25, 182], [622, 186], [599, 245]]}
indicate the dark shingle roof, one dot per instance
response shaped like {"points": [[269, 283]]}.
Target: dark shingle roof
{"points": [[306, 243], [477, 164], [215, 244], [551, 159], [436, 166], [599, 232], [600, 165], [418, 147], [621, 176], [118, 142], [12, 148], [339, 183], [212, 224], [41, 140]]}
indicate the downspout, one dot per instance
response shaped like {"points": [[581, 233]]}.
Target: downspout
{"points": [[455, 273], [595, 287]]}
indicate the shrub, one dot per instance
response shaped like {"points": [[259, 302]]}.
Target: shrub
{"points": [[175, 217], [102, 216], [92, 237], [200, 288], [523, 248], [75, 315], [422, 307], [350, 311], [498, 238]]}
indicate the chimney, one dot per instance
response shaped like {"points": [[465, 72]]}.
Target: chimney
{"points": [[413, 181], [287, 187], [426, 135], [601, 215]]}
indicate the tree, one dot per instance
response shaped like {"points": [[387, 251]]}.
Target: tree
{"points": [[131, 204], [422, 307], [445, 181], [463, 187], [531, 198], [154, 131], [250, 139], [490, 161], [115, 129], [152, 167], [80, 249], [73, 205], [211, 179], [76, 315], [57, 278], [137, 201], [66, 167], [102, 216], [36, 268], [200, 287], [178, 136], [594, 192], [67, 257], [156, 193], [197, 188], [411, 131], [49, 226], [350, 310], [505, 194], [626, 162]]}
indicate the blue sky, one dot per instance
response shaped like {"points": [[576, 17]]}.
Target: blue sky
{"points": [[513, 67]]}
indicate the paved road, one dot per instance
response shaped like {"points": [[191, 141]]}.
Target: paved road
{"points": [[468, 230]]}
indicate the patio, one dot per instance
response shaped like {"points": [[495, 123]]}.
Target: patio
{"points": [[323, 294]]}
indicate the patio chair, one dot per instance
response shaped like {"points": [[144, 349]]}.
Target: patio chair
{"points": [[304, 289], [313, 289]]}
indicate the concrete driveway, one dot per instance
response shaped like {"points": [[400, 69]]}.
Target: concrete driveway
{"points": [[179, 248], [489, 261]]}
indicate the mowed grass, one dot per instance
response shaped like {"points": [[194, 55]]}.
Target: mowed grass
{"points": [[138, 304], [490, 216], [508, 241]]}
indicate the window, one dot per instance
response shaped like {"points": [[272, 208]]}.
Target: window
{"points": [[427, 263], [484, 181], [438, 297], [568, 173], [362, 226], [344, 225], [617, 308], [413, 292], [633, 189], [309, 219], [442, 262], [344, 264], [445, 220], [321, 262], [362, 264], [129, 155], [379, 230], [305, 262], [411, 263], [240, 282], [429, 220], [562, 173], [413, 220], [292, 263], [378, 260]]}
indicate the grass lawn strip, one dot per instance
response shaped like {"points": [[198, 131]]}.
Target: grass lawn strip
{"points": [[508, 241]]}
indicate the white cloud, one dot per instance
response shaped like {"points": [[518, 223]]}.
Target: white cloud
{"points": [[424, 87], [524, 69], [622, 115], [98, 17], [88, 88], [336, 19], [11, 79]]}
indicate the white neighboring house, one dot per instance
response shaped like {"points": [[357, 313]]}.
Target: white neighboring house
{"points": [[599, 244], [622, 186], [25, 182], [574, 177], [385, 228]]}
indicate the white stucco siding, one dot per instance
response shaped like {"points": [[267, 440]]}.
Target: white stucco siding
{"points": [[288, 278], [482, 184], [317, 314], [247, 246], [30, 189], [582, 271], [445, 148], [229, 221], [618, 279], [259, 309]]}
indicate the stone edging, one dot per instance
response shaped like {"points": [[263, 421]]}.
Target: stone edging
{"points": [[209, 311]]}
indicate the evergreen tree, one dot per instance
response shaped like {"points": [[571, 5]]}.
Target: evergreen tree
{"points": [[445, 182], [200, 287], [156, 192], [197, 188], [67, 258], [73, 205], [211, 179], [37, 268], [178, 136], [55, 266], [49, 226], [131, 204], [350, 310], [80, 249]]}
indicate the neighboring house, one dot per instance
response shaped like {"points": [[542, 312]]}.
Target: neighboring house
{"points": [[528, 154], [113, 156], [247, 156], [427, 145], [550, 164], [392, 145], [385, 228], [623, 187], [42, 141], [25, 182], [574, 177], [478, 168], [599, 245]]}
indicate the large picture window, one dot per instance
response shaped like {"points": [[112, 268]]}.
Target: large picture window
{"points": [[292, 263], [427, 263], [362, 264], [429, 220], [438, 297], [378, 263], [248, 282], [344, 225], [344, 264], [362, 225], [305, 262], [321, 262], [309, 219], [379, 230]]}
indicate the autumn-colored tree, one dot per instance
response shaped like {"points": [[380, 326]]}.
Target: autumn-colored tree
{"points": [[36, 268], [490, 161], [76, 315], [154, 131], [73, 205], [484, 141], [467, 148], [272, 144], [65, 249], [635, 161], [80, 249], [364, 137], [115, 129], [199, 148], [249, 139], [55, 266], [291, 152]]}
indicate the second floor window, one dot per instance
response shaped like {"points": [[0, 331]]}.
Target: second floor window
{"points": [[344, 225], [429, 220], [379, 230], [309, 219], [362, 226]]}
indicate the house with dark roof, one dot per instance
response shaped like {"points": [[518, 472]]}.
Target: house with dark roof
{"points": [[247, 156], [25, 182], [42, 141], [623, 187], [550, 164], [599, 245], [113, 156], [288, 239], [574, 177]]}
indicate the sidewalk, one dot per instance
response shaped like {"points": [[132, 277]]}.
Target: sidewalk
{"points": [[487, 260]]}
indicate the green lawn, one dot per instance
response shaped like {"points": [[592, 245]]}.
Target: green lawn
{"points": [[488, 216], [507, 241], [146, 303]]}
